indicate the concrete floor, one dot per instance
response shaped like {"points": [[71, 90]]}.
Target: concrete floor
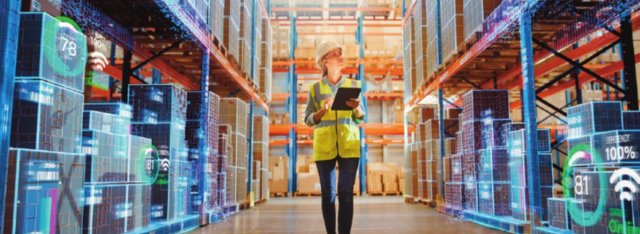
{"points": [[372, 215]]}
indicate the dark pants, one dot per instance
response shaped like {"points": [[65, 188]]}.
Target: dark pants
{"points": [[346, 180]]}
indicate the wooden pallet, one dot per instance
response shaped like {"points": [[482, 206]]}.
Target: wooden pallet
{"points": [[244, 205], [384, 193], [220, 45], [233, 61], [278, 194], [261, 201], [311, 194], [409, 200], [428, 203]]}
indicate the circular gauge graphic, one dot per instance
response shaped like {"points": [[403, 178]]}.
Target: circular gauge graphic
{"points": [[146, 164], [578, 185], [65, 47]]}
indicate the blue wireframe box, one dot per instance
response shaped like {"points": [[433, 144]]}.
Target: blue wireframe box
{"points": [[544, 140], [107, 157], [44, 192], [455, 195], [520, 199], [559, 216], [470, 196], [117, 208], [494, 198], [494, 165], [545, 162], [520, 202], [631, 120], [46, 117], [518, 146], [105, 122], [106, 209], [519, 173], [168, 138], [479, 104], [594, 117], [483, 134], [158, 103], [143, 161], [115, 108], [51, 50], [506, 129], [139, 199], [194, 107]]}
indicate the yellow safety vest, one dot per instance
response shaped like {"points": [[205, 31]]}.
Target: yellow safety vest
{"points": [[330, 137]]}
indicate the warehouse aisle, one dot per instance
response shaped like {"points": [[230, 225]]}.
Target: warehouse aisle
{"points": [[372, 215]]}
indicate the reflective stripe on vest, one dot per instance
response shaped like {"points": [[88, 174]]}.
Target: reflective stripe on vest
{"points": [[327, 123]]}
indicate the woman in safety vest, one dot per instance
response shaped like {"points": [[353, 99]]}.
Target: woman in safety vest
{"points": [[336, 137]]}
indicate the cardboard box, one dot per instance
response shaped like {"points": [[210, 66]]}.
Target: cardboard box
{"points": [[279, 169], [303, 162], [390, 187], [309, 182]]}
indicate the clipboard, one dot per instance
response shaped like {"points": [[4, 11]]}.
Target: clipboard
{"points": [[342, 96]]}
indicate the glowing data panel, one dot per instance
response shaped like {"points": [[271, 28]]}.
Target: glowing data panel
{"points": [[52, 49]]}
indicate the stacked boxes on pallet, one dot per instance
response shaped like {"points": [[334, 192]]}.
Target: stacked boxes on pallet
{"points": [[231, 28], [246, 26], [159, 113], [519, 173], [484, 112], [409, 56], [108, 145], [279, 179], [226, 194], [408, 169], [382, 178], [257, 43], [261, 154], [266, 64], [475, 12], [423, 143], [452, 31], [411, 169], [454, 186], [428, 137], [216, 19], [204, 184], [234, 113], [420, 31], [46, 164], [432, 37]]}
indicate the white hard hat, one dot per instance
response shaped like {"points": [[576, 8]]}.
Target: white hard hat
{"points": [[324, 49]]}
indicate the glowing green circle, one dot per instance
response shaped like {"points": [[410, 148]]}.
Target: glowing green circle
{"points": [[51, 30], [586, 218], [141, 162]]}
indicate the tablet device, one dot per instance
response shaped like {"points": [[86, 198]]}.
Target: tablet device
{"points": [[342, 96]]}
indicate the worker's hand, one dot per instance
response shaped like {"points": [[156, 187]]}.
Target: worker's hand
{"points": [[327, 104], [353, 103]]}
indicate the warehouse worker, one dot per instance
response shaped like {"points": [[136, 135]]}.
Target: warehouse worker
{"points": [[336, 137]]}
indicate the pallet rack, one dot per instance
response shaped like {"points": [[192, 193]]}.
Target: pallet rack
{"points": [[529, 45], [176, 46]]}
